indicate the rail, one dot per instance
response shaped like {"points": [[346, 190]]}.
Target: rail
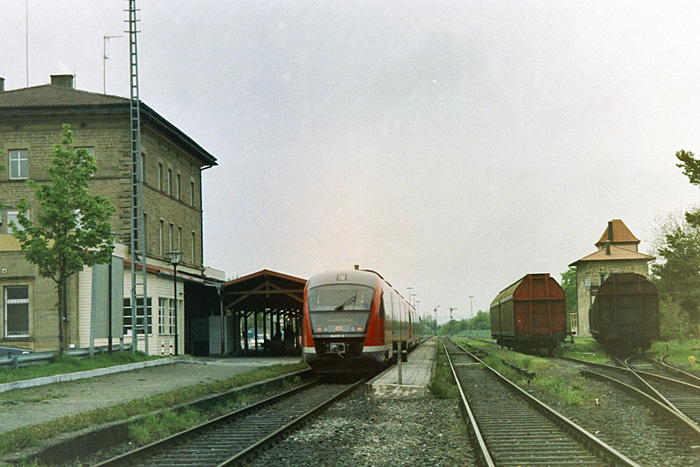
{"points": [[234, 438], [587, 441]]}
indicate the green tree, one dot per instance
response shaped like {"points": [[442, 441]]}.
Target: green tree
{"points": [[72, 228], [674, 322], [677, 270], [691, 169], [568, 283], [482, 321]]}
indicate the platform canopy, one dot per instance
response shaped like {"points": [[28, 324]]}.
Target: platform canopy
{"points": [[264, 290]]}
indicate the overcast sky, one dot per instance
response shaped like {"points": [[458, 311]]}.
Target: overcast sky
{"points": [[451, 146]]}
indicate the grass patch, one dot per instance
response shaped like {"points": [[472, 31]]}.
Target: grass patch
{"points": [[571, 389], [63, 364], [163, 424], [585, 348], [678, 350], [31, 435], [442, 384]]}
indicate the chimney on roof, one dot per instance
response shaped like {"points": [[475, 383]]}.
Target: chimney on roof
{"points": [[610, 231], [64, 81], [2, 84]]}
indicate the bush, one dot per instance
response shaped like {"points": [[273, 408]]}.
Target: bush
{"points": [[674, 322]]}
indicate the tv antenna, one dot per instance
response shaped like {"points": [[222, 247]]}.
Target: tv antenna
{"points": [[105, 39]]}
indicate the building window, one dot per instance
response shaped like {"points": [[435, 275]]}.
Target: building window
{"points": [[145, 231], [166, 316], [178, 187], [17, 311], [192, 197], [129, 317], [19, 164], [161, 236], [171, 237], [160, 177], [194, 248], [169, 183], [179, 238], [574, 322], [89, 150], [12, 217]]}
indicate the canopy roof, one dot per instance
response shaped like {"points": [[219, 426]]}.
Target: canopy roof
{"points": [[264, 289]]}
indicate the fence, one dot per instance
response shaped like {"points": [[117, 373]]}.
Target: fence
{"points": [[15, 360]]}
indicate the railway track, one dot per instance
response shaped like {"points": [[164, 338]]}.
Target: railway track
{"points": [[513, 428], [675, 430], [659, 382], [235, 437]]}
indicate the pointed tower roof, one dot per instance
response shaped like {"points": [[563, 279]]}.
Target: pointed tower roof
{"points": [[617, 233]]}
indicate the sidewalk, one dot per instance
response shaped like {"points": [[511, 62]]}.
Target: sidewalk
{"points": [[415, 374], [34, 405]]}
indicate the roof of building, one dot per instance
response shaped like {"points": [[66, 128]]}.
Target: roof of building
{"points": [[620, 233], [48, 95], [264, 289], [49, 98], [616, 254]]}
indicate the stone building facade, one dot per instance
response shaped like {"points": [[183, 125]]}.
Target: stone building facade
{"points": [[617, 253], [31, 122]]}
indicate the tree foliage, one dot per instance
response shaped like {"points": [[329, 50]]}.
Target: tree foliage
{"points": [[677, 274], [72, 228], [674, 321], [690, 166], [482, 321], [568, 283]]}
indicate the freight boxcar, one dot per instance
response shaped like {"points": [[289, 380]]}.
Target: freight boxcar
{"points": [[531, 313], [625, 313]]}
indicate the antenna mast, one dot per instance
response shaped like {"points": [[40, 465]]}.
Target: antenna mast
{"points": [[26, 36], [104, 61], [139, 295]]}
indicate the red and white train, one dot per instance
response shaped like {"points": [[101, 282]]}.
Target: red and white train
{"points": [[354, 321]]}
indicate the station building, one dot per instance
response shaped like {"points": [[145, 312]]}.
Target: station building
{"points": [[617, 252], [31, 122]]}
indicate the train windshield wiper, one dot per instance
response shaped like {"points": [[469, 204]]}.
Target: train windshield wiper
{"points": [[346, 302]]}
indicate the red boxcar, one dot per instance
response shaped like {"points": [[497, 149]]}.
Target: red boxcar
{"points": [[530, 313]]}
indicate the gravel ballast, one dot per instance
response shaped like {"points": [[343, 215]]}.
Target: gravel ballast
{"points": [[364, 431]]}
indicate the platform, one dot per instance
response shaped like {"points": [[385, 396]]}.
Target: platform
{"points": [[415, 375]]}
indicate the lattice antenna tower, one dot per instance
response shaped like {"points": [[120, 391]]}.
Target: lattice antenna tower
{"points": [[139, 294]]}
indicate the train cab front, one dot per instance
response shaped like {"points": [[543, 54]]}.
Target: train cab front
{"points": [[337, 317]]}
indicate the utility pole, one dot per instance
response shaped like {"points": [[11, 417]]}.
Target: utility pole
{"points": [[435, 311]]}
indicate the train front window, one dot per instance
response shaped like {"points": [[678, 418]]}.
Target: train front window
{"points": [[342, 308], [341, 297]]}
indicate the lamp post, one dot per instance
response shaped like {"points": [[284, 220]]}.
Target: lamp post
{"points": [[174, 257], [218, 286], [471, 305]]}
